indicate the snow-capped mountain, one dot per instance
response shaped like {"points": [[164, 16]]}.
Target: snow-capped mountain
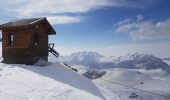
{"points": [[167, 60], [141, 61], [132, 61]]}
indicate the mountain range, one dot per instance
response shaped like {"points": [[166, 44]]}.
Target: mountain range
{"points": [[130, 61]]}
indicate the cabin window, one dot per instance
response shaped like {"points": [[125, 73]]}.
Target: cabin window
{"points": [[36, 39], [11, 39]]}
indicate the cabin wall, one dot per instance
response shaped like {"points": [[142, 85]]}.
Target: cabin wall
{"points": [[21, 46], [24, 51], [42, 48]]}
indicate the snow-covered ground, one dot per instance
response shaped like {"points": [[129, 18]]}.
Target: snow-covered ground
{"points": [[143, 74], [55, 81], [52, 82], [156, 81], [111, 84]]}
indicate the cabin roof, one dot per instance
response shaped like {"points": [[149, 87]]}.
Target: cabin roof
{"points": [[27, 22]]}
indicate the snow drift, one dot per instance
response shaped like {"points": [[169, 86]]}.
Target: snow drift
{"points": [[148, 80], [53, 82]]}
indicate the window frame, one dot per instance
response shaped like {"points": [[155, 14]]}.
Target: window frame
{"points": [[36, 39], [11, 39]]}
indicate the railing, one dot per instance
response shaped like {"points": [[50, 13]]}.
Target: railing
{"points": [[52, 50]]}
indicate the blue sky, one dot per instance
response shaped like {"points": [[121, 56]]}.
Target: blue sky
{"points": [[111, 27]]}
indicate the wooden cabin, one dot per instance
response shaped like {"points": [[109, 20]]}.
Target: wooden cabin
{"points": [[25, 41]]}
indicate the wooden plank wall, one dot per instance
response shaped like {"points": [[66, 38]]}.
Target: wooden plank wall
{"points": [[24, 42], [42, 48], [22, 39], [21, 46]]}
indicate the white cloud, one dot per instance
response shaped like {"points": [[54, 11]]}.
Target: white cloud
{"points": [[139, 17], [158, 49], [124, 28], [63, 19], [56, 10], [145, 30], [34, 8], [127, 20]]}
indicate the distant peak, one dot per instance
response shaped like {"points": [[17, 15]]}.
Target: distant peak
{"points": [[135, 56], [85, 53]]}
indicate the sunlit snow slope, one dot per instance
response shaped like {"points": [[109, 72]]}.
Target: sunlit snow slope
{"points": [[52, 82]]}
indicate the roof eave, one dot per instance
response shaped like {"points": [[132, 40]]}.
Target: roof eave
{"points": [[50, 32], [51, 28]]}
